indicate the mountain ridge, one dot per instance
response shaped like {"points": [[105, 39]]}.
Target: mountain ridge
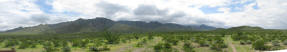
{"points": [[103, 24]]}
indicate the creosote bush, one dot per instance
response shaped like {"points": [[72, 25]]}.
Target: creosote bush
{"points": [[163, 47], [187, 47]]}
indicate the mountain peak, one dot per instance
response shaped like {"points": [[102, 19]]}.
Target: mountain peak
{"points": [[100, 24], [102, 18]]}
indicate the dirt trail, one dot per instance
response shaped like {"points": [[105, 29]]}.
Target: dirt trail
{"points": [[231, 45]]}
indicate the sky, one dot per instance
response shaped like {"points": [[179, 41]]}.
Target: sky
{"points": [[269, 14]]}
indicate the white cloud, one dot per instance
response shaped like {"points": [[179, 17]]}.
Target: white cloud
{"points": [[12, 12], [270, 13]]}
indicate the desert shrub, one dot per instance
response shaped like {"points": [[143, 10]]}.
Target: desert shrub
{"points": [[23, 45], [259, 45], [188, 48], [139, 44], [111, 38], [76, 43], [66, 49], [285, 42], [10, 43], [218, 46], [150, 37], [276, 43], [203, 43], [248, 42], [99, 49], [163, 47], [94, 49], [243, 42], [50, 49]]}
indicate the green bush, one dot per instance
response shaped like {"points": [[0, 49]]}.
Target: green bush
{"points": [[285, 42], [188, 48], [276, 43], [50, 49], [163, 47], [111, 38], [23, 46], [10, 43], [66, 49], [97, 49], [242, 42], [248, 42], [203, 43], [259, 45]]}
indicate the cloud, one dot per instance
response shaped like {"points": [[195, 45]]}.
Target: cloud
{"points": [[268, 15], [149, 13], [149, 10], [17, 13], [109, 10], [152, 13], [14, 13], [218, 13], [40, 18]]}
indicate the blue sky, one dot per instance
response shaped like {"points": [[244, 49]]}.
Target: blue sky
{"points": [[234, 7], [48, 8], [44, 6], [210, 10]]}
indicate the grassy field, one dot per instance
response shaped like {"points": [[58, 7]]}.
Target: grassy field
{"points": [[130, 46], [203, 49], [228, 40]]}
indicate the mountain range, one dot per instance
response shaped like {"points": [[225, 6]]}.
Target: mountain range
{"points": [[100, 24]]}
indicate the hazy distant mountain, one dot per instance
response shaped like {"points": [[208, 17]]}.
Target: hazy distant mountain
{"points": [[246, 28], [103, 24]]}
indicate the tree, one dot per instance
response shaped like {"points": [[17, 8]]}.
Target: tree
{"points": [[259, 45]]}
